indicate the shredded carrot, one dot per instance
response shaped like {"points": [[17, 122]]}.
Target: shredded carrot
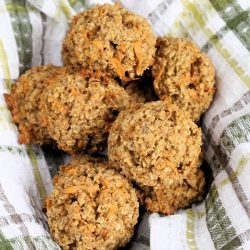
{"points": [[122, 47], [55, 179], [59, 106], [74, 92], [43, 120], [48, 202], [98, 44], [92, 73], [26, 85], [113, 210], [9, 101], [91, 227], [159, 73], [119, 69], [69, 170], [86, 39], [24, 134], [71, 190], [104, 182], [118, 55], [138, 54]]}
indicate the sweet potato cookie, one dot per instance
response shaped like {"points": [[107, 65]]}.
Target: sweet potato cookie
{"points": [[78, 109], [183, 75], [157, 147], [167, 199], [23, 103], [91, 207], [112, 39]]}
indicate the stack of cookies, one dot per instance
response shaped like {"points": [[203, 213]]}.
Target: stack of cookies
{"points": [[124, 89]]}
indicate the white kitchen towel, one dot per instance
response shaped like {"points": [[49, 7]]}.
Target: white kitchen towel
{"points": [[31, 32]]}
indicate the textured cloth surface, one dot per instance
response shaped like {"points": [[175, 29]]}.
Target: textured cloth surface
{"points": [[31, 33]]}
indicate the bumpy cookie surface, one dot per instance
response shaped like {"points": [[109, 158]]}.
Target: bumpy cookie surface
{"points": [[183, 75], [91, 207], [78, 109], [180, 193], [155, 145], [23, 103], [112, 39]]}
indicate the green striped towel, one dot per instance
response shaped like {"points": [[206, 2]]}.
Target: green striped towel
{"points": [[31, 33]]}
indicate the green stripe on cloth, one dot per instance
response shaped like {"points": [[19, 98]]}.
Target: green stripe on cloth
{"points": [[218, 35], [5, 244], [72, 2], [38, 178], [236, 133], [15, 7], [23, 32], [65, 9], [199, 18], [236, 19], [239, 169], [237, 107], [218, 223], [38, 242], [5, 66], [190, 230], [10, 209]]}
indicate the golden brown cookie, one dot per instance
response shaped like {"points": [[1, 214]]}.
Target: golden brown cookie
{"points": [[159, 148], [167, 199], [78, 109], [23, 103], [112, 39], [91, 206], [183, 75]]}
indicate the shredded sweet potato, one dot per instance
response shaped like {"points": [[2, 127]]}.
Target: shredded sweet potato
{"points": [[47, 202], [55, 179], [71, 190], [68, 170], [43, 120], [119, 69], [158, 74], [24, 134], [56, 105], [138, 54], [98, 44]]}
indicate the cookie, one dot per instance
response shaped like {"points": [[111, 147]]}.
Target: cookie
{"points": [[91, 206], [78, 109], [183, 75], [112, 39], [156, 146], [23, 102]]}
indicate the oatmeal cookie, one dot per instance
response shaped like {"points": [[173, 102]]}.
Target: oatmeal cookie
{"points": [[112, 39], [167, 199], [91, 206], [23, 103], [78, 109], [183, 75], [157, 147]]}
